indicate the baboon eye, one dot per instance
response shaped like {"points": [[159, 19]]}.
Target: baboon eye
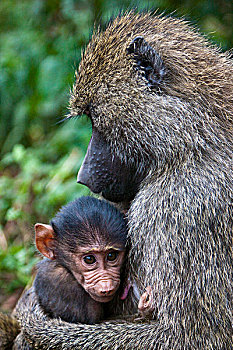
{"points": [[89, 259], [112, 256]]}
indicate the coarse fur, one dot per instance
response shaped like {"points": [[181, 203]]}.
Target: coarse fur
{"points": [[9, 329], [181, 220]]}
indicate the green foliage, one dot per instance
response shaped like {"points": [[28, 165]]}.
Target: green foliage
{"points": [[16, 264], [36, 181], [40, 46]]}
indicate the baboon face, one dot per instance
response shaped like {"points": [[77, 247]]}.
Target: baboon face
{"points": [[107, 174], [116, 161]]}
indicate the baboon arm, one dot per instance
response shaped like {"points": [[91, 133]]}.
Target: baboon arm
{"points": [[9, 328], [44, 333]]}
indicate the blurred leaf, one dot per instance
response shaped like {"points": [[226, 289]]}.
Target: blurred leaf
{"points": [[13, 214]]}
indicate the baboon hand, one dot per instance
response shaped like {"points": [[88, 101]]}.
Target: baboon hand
{"points": [[146, 303]]}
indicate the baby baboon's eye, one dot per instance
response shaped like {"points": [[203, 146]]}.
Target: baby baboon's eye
{"points": [[89, 259], [112, 256]]}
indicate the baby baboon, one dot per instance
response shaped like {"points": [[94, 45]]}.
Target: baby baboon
{"points": [[160, 99], [85, 250]]}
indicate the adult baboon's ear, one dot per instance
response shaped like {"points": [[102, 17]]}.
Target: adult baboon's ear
{"points": [[147, 61]]}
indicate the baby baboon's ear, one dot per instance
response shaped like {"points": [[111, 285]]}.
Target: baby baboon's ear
{"points": [[45, 240], [148, 62]]}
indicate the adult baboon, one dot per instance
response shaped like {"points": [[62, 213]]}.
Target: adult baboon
{"points": [[160, 99]]}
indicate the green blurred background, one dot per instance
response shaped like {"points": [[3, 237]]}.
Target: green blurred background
{"points": [[40, 45]]}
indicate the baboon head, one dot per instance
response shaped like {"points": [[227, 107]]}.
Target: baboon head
{"points": [[140, 83]]}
